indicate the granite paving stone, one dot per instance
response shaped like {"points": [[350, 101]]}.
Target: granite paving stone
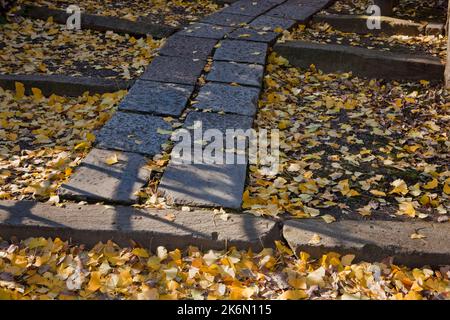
{"points": [[95, 180], [188, 47], [210, 185], [227, 19], [242, 51], [157, 98], [132, 132], [240, 73], [254, 35], [298, 10], [227, 98], [217, 121], [174, 70], [268, 23], [251, 8], [205, 30]]}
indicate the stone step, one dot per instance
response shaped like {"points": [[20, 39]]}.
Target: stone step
{"points": [[132, 132], [361, 61], [372, 240], [95, 180]]}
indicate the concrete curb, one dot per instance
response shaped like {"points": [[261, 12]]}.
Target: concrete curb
{"points": [[101, 23], [373, 240], [63, 85], [90, 224], [361, 61], [358, 24]]}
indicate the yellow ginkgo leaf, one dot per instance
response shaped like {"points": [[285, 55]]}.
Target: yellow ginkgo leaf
{"points": [[94, 282], [20, 90], [447, 188], [112, 159], [431, 185], [37, 94], [407, 208], [400, 187]]}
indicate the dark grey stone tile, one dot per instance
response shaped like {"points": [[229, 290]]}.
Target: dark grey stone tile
{"points": [[208, 185], [174, 70], [157, 98], [251, 8], [188, 47], [299, 10], [254, 35], [268, 23], [95, 180], [227, 19], [230, 99], [133, 132], [220, 122], [240, 73], [205, 30], [242, 51]]}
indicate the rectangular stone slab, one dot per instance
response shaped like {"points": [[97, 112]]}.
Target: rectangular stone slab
{"points": [[254, 35], [240, 73], [157, 98], [90, 224], [373, 240], [241, 51], [188, 47], [174, 70], [95, 180], [227, 19], [227, 98], [132, 132], [251, 8], [205, 30], [298, 10], [217, 121], [198, 141], [204, 185], [268, 23]]}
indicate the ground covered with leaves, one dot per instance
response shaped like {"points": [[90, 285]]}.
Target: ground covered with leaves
{"points": [[418, 10], [434, 45], [40, 268], [42, 139], [37, 46], [169, 12], [353, 148]]}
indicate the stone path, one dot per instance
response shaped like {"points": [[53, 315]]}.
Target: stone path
{"points": [[238, 39]]}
